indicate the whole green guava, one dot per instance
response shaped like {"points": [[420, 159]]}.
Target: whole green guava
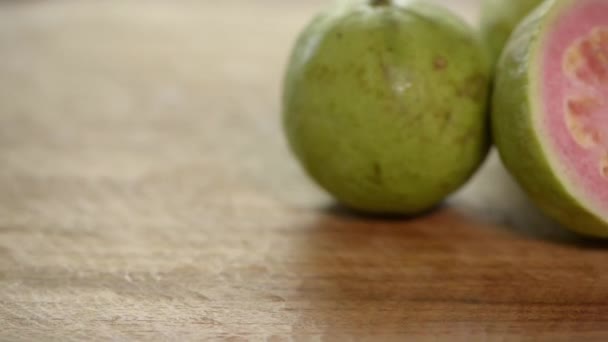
{"points": [[384, 104], [499, 18]]}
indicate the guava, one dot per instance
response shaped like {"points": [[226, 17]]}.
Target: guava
{"points": [[549, 111], [385, 104], [499, 18]]}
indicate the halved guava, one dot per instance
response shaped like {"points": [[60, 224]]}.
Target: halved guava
{"points": [[550, 111]]}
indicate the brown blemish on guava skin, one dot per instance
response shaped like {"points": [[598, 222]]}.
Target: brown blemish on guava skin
{"points": [[466, 137], [445, 117], [463, 139], [473, 87], [360, 75], [440, 63], [376, 175], [445, 186], [379, 3], [323, 73], [386, 71], [360, 70]]}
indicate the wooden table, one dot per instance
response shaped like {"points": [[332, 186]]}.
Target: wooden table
{"points": [[146, 193]]}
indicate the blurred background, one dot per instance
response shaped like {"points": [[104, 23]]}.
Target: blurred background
{"points": [[125, 90], [142, 110]]}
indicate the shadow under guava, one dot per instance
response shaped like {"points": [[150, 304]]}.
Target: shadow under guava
{"points": [[492, 200], [484, 257], [493, 197], [452, 270]]}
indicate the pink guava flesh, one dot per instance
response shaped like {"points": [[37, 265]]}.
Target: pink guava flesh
{"points": [[574, 88]]}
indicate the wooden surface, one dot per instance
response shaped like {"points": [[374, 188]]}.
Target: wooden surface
{"points": [[146, 193]]}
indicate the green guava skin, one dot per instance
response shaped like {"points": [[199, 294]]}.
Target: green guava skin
{"points": [[499, 18], [386, 106], [519, 144]]}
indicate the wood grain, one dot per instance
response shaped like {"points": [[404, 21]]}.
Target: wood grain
{"points": [[146, 193]]}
